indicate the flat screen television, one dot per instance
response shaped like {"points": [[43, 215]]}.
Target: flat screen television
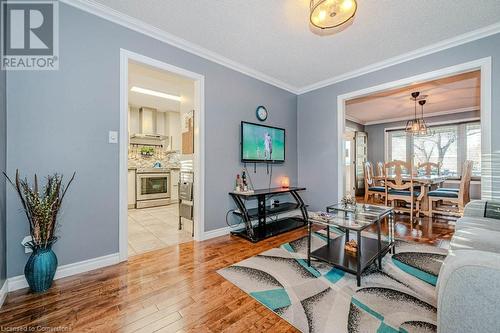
{"points": [[260, 143]]}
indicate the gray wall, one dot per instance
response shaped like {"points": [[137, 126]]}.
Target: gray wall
{"points": [[63, 126], [317, 115], [376, 133], [3, 160]]}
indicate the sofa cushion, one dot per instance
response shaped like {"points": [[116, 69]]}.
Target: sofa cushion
{"points": [[477, 222], [443, 194], [467, 292], [403, 192], [377, 188], [476, 239], [475, 208]]}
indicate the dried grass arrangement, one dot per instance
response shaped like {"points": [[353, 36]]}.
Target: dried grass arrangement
{"points": [[41, 206]]}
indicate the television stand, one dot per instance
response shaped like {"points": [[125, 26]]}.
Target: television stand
{"points": [[265, 229]]}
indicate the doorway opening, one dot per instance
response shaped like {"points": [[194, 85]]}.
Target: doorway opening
{"points": [[161, 155], [476, 119]]}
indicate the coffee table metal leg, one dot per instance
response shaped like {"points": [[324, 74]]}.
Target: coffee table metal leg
{"points": [[391, 232], [308, 243], [379, 245], [358, 261], [328, 236]]}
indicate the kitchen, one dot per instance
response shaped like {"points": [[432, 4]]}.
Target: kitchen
{"points": [[160, 155]]}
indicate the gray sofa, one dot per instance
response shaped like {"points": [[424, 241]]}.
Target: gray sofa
{"points": [[468, 287]]}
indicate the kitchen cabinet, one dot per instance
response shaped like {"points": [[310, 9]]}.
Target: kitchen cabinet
{"points": [[131, 188], [174, 183]]}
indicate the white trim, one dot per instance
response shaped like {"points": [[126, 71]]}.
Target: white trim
{"points": [[437, 123], [427, 116], [440, 46], [123, 160], [129, 22], [216, 233], [19, 282], [484, 65], [340, 146], [199, 156], [354, 119], [3, 292]]}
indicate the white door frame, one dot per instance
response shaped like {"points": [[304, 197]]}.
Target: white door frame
{"points": [[199, 156], [483, 64]]}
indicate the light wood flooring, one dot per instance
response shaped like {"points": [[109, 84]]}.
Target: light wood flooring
{"points": [[174, 289]]}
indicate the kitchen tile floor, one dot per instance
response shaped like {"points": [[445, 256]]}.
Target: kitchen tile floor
{"points": [[155, 228]]}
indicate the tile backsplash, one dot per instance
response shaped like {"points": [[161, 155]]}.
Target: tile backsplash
{"points": [[167, 159]]}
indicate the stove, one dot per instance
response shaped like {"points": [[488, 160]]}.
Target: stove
{"points": [[153, 187]]}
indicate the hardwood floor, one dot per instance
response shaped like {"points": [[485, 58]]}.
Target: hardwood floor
{"points": [[176, 289]]}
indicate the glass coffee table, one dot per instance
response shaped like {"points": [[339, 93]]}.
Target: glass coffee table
{"points": [[356, 219]]}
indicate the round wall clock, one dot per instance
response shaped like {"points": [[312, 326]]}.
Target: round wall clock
{"points": [[261, 113]]}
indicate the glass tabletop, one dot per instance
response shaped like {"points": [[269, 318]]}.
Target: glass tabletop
{"points": [[361, 209], [338, 219]]}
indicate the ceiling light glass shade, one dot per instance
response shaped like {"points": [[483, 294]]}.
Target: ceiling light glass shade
{"points": [[412, 126], [422, 128], [326, 14]]}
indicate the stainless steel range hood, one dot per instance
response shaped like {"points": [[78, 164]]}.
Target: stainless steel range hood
{"points": [[148, 126]]}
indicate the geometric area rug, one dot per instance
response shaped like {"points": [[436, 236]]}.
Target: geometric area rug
{"points": [[398, 298]]}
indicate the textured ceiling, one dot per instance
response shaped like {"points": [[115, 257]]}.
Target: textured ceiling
{"points": [[273, 36], [453, 94]]}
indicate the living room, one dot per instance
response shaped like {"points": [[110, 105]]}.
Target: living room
{"points": [[270, 213]]}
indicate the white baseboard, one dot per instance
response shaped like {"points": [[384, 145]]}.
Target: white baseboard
{"points": [[19, 282], [226, 230], [3, 292], [215, 233]]}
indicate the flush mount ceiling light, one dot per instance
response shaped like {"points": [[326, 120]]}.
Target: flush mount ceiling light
{"points": [[155, 93], [328, 14]]}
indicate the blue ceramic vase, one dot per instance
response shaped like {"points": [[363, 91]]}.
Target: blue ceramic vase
{"points": [[41, 268]]}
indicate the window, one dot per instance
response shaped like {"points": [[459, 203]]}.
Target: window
{"points": [[473, 138], [441, 146], [398, 146], [449, 144]]}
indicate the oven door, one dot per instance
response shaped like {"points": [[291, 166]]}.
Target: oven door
{"points": [[153, 186]]}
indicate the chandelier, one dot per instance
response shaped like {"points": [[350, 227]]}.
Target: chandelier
{"points": [[417, 126], [327, 14]]}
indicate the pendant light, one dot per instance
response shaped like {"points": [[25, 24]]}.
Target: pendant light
{"points": [[328, 14], [423, 130], [413, 126]]}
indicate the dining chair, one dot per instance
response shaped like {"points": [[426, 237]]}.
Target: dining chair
{"points": [[371, 188], [459, 197], [430, 168], [399, 188], [381, 173]]}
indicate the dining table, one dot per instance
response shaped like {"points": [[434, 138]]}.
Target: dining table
{"points": [[426, 182]]}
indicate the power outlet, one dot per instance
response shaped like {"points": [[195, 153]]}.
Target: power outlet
{"points": [[25, 240]]}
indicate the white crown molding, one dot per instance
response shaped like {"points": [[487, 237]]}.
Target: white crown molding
{"points": [[3, 292], [354, 119], [129, 22], [427, 115], [19, 282], [439, 46]]}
